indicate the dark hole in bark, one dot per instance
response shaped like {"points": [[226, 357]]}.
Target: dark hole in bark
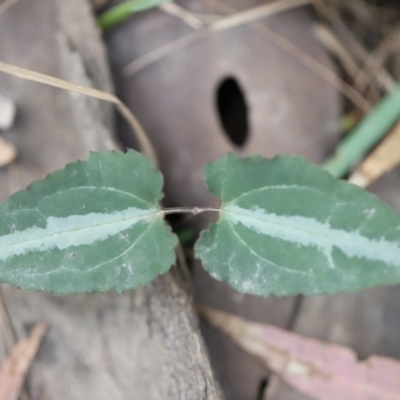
{"points": [[233, 111]]}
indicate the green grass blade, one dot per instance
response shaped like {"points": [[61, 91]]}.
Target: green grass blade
{"points": [[367, 134], [121, 12]]}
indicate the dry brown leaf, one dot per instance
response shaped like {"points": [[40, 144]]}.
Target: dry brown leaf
{"points": [[17, 364], [316, 369], [8, 152], [383, 159]]}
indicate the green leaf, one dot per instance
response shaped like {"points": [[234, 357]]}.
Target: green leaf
{"points": [[94, 226], [119, 13], [288, 227]]}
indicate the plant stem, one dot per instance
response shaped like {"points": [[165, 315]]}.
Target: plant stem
{"points": [[121, 12], [189, 210], [365, 135]]}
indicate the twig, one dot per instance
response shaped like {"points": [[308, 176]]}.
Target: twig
{"points": [[374, 126], [6, 4], [144, 142]]}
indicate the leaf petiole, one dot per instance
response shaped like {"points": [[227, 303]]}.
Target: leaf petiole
{"points": [[189, 210]]}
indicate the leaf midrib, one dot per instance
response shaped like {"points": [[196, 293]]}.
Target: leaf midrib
{"points": [[143, 216]]}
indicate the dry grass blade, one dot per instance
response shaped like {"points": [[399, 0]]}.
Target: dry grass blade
{"points": [[218, 26], [323, 72], [378, 58], [164, 51], [329, 12], [144, 142], [319, 69], [331, 42], [5, 5], [179, 12], [359, 8], [242, 19], [383, 159], [17, 364], [256, 13], [383, 78], [326, 74]]}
